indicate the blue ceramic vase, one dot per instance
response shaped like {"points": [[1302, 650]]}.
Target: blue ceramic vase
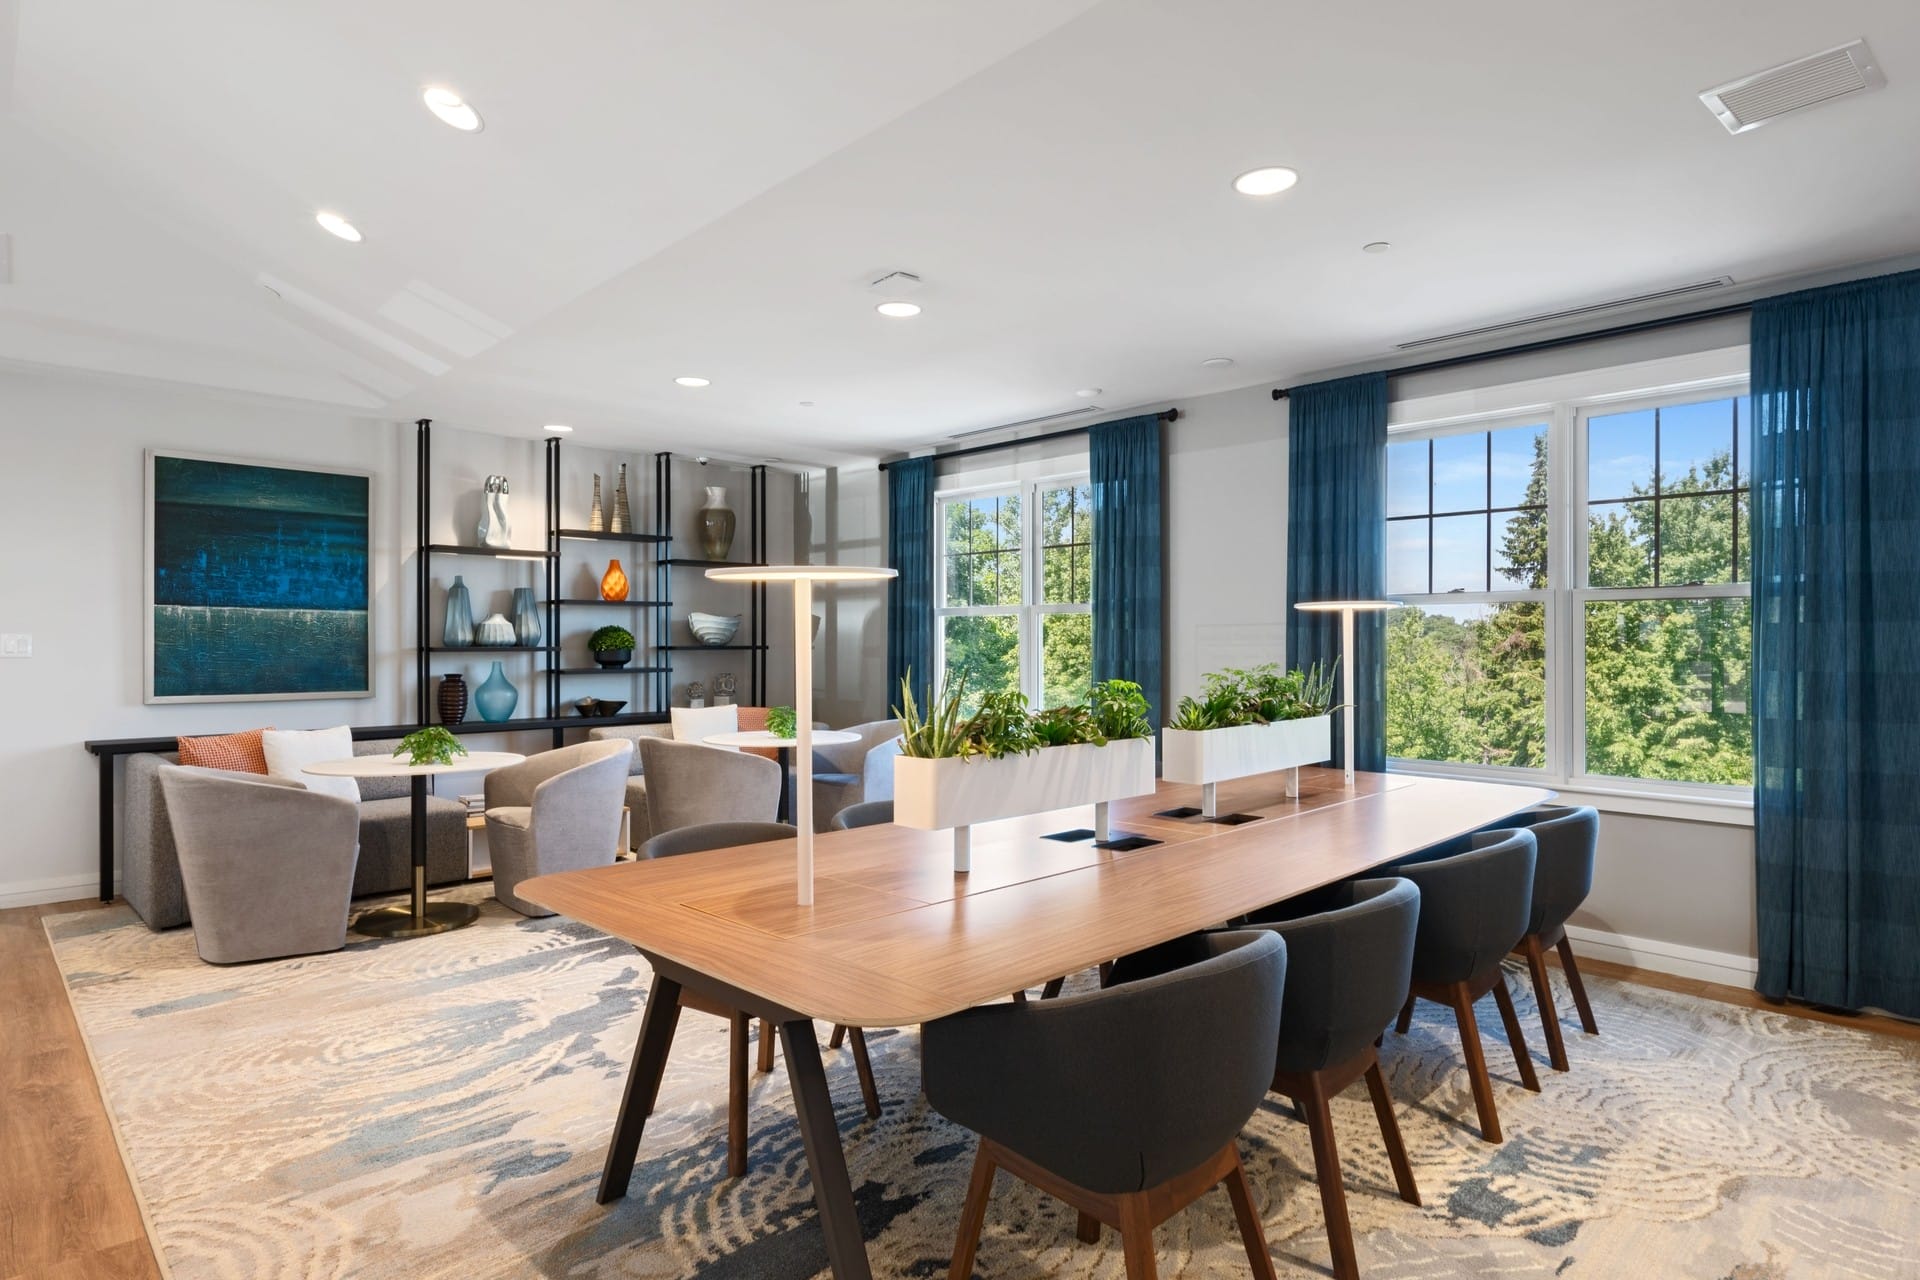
{"points": [[496, 699], [458, 633], [526, 617]]}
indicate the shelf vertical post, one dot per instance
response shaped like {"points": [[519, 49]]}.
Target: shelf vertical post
{"points": [[423, 566]]}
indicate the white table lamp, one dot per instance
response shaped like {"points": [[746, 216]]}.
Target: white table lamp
{"points": [[802, 576], [1347, 609]]}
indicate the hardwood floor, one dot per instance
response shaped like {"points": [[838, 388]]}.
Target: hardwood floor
{"points": [[67, 1210]]}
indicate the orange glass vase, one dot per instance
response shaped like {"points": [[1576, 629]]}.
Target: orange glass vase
{"points": [[613, 584]]}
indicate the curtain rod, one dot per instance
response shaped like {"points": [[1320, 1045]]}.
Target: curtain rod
{"points": [[1569, 340], [1165, 415]]}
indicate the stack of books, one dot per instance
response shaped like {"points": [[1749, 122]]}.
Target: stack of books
{"points": [[476, 803]]}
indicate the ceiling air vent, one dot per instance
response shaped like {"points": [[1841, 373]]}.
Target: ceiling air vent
{"points": [[1028, 422], [1571, 313], [1751, 101]]}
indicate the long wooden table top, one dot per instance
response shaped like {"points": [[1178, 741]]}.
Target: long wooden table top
{"points": [[895, 938]]}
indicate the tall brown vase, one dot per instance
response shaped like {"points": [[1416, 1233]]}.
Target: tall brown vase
{"points": [[453, 698]]}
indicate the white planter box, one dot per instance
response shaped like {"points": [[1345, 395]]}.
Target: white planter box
{"points": [[1206, 756], [934, 795]]}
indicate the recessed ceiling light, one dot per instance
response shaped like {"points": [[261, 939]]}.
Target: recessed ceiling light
{"points": [[898, 310], [1265, 182], [1376, 246], [1087, 393], [1217, 362], [338, 225], [558, 429], [452, 108], [692, 382]]}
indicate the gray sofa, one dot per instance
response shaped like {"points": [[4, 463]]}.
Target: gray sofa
{"points": [[150, 860]]}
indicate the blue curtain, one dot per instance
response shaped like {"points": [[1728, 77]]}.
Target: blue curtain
{"points": [[1337, 539], [910, 596], [1836, 643], [1128, 554]]}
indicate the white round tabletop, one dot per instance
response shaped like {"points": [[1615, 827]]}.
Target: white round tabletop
{"points": [[397, 766], [763, 738]]}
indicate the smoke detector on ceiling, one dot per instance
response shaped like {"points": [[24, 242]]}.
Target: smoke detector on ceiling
{"points": [[1751, 101]]}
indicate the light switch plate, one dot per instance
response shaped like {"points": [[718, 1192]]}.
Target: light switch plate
{"points": [[16, 645]]}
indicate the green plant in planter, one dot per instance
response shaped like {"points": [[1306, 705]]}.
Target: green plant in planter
{"points": [[431, 745], [609, 639], [1119, 710], [942, 732], [782, 722], [1002, 727], [1257, 695], [1066, 727]]}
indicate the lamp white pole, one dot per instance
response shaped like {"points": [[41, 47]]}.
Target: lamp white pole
{"points": [[1347, 609]]}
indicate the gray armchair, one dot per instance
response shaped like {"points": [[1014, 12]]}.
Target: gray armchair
{"points": [[639, 822], [557, 811], [690, 785], [869, 813], [1125, 1103], [1562, 878], [267, 865], [839, 771]]}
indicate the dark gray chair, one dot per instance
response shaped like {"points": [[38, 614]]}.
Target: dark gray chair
{"points": [[1562, 878], [1124, 1103], [1474, 909], [727, 835], [868, 813]]}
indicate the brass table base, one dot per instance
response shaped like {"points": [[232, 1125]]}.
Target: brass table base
{"points": [[400, 922]]}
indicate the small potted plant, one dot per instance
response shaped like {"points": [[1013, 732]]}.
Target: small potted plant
{"points": [[431, 745], [611, 646], [782, 722]]}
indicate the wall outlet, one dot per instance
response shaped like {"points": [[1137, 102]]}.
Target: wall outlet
{"points": [[16, 645]]}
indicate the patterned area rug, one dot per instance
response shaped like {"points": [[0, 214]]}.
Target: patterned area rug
{"points": [[440, 1107]]}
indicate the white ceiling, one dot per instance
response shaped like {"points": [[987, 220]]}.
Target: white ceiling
{"points": [[666, 188]]}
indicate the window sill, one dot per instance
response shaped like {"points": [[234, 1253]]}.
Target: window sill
{"points": [[1726, 811]]}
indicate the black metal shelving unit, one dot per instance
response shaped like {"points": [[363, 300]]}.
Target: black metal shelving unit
{"points": [[756, 611]]}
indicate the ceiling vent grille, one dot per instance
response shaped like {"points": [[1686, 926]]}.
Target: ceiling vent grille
{"points": [[1028, 422], [1570, 313], [1751, 101]]}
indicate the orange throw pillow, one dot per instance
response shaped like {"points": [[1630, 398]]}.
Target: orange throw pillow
{"points": [[753, 719], [236, 752]]}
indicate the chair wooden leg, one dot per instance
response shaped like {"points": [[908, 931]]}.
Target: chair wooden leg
{"points": [[737, 1095], [1244, 1213], [1522, 1058], [1390, 1134], [1578, 987], [1106, 974], [1543, 996], [1477, 1077], [838, 1038], [766, 1046], [1020, 997], [1406, 1017], [973, 1216], [1052, 989], [1333, 1190], [1087, 1229], [864, 1066], [1136, 1237]]}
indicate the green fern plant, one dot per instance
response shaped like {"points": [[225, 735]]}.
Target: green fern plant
{"points": [[431, 745], [782, 722]]}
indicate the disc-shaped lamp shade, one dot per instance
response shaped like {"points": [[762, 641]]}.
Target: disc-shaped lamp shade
{"points": [[1347, 609], [802, 576]]}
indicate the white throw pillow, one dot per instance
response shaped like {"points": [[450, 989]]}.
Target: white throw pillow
{"points": [[289, 751], [693, 724]]}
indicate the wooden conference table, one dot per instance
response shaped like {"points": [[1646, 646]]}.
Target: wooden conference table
{"points": [[894, 938]]}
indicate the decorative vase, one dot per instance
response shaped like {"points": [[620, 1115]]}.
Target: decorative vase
{"points": [[622, 514], [496, 530], [716, 524], [596, 518], [495, 633], [613, 657], [453, 699], [613, 584], [458, 632], [496, 699], [526, 617]]}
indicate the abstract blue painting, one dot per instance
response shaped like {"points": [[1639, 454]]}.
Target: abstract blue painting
{"points": [[257, 581]]}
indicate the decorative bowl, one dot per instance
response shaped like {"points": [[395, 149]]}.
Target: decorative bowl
{"points": [[713, 628], [598, 707]]}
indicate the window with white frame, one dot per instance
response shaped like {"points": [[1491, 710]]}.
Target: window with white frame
{"points": [[1016, 606], [1578, 593]]}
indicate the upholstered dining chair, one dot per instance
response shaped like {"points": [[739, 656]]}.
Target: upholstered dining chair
{"points": [[639, 820], [1562, 878], [839, 770], [868, 813], [556, 811], [1128, 1148], [267, 864], [692, 785], [728, 835], [1474, 909]]}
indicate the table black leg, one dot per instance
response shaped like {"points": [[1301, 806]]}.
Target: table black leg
{"points": [[786, 785], [419, 917], [106, 827], [419, 850], [826, 1162], [643, 1087]]}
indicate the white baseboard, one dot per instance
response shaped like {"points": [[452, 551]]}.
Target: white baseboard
{"points": [[32, 893], [1724, 967]]}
